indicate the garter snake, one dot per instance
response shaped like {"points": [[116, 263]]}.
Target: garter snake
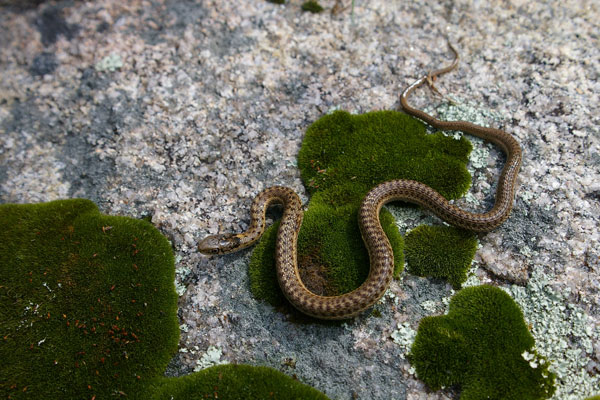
{"points": [[380, 252]]}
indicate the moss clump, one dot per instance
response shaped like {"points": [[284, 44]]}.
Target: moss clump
{"points": [[89, 310], [312, 6], [263, 279], [87, 302], [483, 345], [234, 382], [342, 157], [440, 252], [379, 146]]}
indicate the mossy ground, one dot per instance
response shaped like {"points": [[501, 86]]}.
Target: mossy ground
{"points": [[312, 6], [235, 382], [440, 252], [482, 345], [342, 157], [89, 311], [87, 301]]}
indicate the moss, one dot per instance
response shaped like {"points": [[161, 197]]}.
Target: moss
{"points": [[331, 252], [263, 279], [378, 146], [482, 345], [233, 382], [342, 157], [312, 6], [593, 398], [277, 1], [89, 310], [440, 252], [87, 302]]}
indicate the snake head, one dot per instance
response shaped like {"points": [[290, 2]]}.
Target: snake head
{"points": [[220, 244]]}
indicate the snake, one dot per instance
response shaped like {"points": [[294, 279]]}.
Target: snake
{"points": [[351, 304]]}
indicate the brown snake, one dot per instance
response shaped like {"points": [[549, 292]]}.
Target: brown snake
{"points": [[380, 251]]}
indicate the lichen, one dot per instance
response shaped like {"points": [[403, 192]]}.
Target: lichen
{"points": [[211, 358], [404, 336], [180, 288], [110, 63], [456, 110], [563, 334]]}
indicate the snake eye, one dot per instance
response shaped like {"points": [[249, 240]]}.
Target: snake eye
{"points": [[219, 244]]}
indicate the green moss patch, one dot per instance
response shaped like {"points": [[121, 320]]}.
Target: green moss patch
{"points": [[88, 305], [379, 146], [440, 252], [89, 311], [342, 157], [235, 382], [312, 6], [482, 345], [263, 279]]}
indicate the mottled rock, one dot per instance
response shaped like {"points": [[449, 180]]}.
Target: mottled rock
{"points": [[210, 104]]}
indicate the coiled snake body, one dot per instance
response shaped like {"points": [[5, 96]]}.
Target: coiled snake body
{"points": [[380, 251]]}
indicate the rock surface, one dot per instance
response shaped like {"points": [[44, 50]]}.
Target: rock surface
{"points": [[183, 111]]}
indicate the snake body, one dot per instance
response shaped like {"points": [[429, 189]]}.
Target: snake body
{"points": [[380, 251]]}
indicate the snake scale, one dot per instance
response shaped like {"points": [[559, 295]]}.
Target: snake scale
{"points": [[380, 251]]}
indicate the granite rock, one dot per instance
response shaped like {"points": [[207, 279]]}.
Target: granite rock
{"points": [[183, 111]]}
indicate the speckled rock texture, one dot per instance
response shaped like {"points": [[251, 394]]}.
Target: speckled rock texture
{"points": [[183, 110]]}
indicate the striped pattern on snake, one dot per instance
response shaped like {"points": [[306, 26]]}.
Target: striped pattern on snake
{"points": [[381, 256]]}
